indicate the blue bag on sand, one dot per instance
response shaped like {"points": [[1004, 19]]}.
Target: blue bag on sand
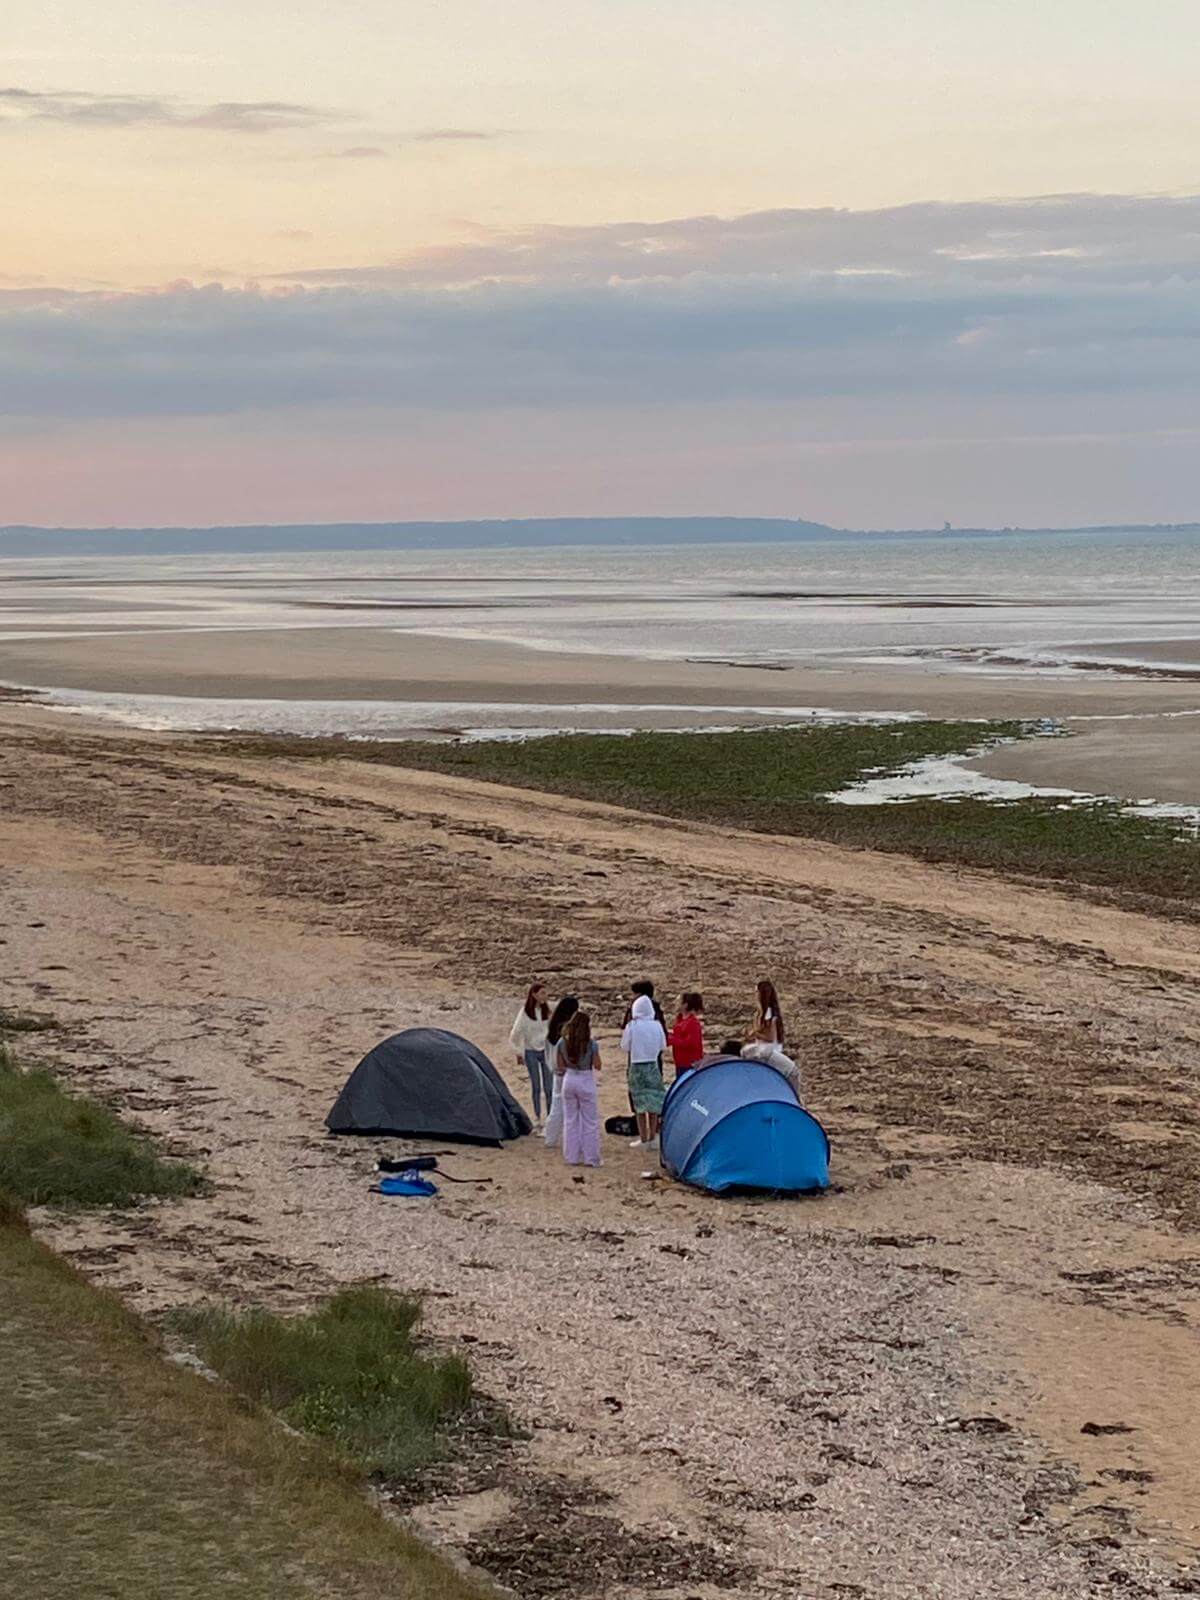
{"points": [[409, 1182]]}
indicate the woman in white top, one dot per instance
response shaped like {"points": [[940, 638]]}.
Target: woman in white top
{"points": [[559, 1017], [768, 1036], [528, 1039]]}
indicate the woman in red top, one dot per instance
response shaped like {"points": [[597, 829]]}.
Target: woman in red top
{"points": [[686, 1038]]}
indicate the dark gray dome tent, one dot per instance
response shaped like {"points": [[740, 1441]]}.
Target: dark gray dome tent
{"points": [[426, 1083]]}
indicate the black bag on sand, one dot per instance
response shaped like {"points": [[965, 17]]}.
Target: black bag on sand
{"points": [[622, 1127]]}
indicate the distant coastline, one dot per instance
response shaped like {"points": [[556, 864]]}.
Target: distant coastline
{"points": [[24, 540]]}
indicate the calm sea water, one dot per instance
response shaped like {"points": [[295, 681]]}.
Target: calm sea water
{"points": [[1000, 604]]}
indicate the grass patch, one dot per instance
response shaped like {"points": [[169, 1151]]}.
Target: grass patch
{"points": [[1096, 845], [776, 780], [124, 1474], [56, 1149], [753, 775], [350, 1372]]}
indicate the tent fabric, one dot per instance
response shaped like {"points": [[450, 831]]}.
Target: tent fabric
{"points": [[737, 1124], [427, 1083]]}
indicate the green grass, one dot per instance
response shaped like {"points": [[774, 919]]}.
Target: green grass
{"points": [[56, 1149], [1095, 845], [756, 775], [350, 1371], [777, 780], [124, 1474]]}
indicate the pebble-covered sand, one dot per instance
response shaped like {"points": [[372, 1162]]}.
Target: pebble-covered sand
{"points": [[882, 1393]]}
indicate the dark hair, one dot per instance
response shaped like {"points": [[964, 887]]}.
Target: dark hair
{"points": [[540, 1010], [644, 986], [768, 1000], [560, 1016], [731, 1047], [692, 999], [577, 1036]]}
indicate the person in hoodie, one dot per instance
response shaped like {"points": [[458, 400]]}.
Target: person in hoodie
{"points": [[642, 986], [686, 1037], [644, 1041]]}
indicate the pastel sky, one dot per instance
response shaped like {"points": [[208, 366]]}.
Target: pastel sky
{"points": [[871, 263]]}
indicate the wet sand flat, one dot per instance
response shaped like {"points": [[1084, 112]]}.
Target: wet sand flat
{"points": [[938, 1380], [1154, 758], [373, 663], [1157, 759]]}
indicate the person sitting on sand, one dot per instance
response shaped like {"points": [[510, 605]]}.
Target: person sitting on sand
{"points": [[686, 1037], [559, 1017], [767, 1036], [528, 1039], [644, 1041], [579, 1060]]}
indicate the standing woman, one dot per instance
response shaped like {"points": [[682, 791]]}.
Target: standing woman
{"points": [[579, 1057], [768, 1036], [559, 1017], [686, 1038], [644, 1042], [528, 1039]]}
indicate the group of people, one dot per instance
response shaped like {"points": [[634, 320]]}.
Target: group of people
{"points": [[556, 1048]]}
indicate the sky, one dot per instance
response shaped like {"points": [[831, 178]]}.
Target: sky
{"points": [[869, 264]]}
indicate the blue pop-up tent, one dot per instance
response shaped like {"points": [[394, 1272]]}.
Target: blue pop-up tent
{"points": [[736, 1124]]}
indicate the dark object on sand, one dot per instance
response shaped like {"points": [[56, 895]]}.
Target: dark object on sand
{"points": [[426, 1083], [407, 1164], [624, 1127], [426, 1163], [737, 1124]]}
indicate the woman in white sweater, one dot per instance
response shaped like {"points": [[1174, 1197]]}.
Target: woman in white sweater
{"points": [[528, 1039], [559, 1017]]}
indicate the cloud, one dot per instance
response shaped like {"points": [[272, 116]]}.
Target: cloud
{"points": [[1076, 297], [77, 108], [450, 135], [360, 152], [1079, 237]]}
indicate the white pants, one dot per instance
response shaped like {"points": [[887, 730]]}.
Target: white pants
{"points": [[772, 1056], [552, 1133]]}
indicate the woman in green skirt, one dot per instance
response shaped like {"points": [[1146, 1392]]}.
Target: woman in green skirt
{"points": [[644, 1042]]}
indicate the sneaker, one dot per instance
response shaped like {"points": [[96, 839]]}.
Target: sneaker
{"points": [[651, 1145], [636, 1144]]}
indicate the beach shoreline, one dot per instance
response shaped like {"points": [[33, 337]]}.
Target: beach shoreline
{"points": [[362, 663], [381, 683]]}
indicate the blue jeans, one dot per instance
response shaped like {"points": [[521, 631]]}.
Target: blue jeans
{"points": [[541, 1080]]}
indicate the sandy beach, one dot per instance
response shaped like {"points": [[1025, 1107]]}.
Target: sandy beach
{"points": [[970, 1371], [1145, 753]]}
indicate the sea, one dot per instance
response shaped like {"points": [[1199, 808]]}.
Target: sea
{"points": [[1077, 603]]}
